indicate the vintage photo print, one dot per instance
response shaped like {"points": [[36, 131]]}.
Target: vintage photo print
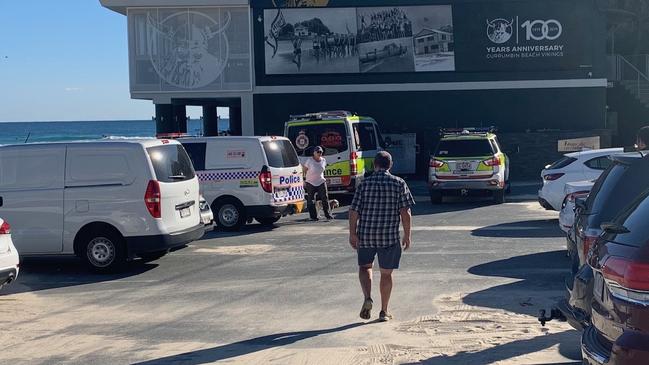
{"points": [[311, 40]]}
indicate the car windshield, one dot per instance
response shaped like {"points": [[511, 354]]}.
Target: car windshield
{"points": [[561, 163], [464, 148], [634, 219], [331, 136]]}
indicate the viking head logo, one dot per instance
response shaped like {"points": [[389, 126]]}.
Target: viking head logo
{"points": [[499, 30], [188, 50]]}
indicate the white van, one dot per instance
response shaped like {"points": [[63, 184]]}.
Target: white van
{"points": [[245, 178], [349, 141], [105, 201]]}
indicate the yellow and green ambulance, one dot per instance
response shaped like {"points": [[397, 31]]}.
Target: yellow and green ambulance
{"points": [[467, 161], [349, 141]]}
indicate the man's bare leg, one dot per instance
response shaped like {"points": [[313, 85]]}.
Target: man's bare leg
{"points": [[365, 277], [386, 288]]}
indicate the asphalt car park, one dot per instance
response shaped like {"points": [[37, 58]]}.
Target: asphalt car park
{"points": [[468, 292]]}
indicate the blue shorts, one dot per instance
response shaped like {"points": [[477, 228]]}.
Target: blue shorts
{"points": [[389, 257]]}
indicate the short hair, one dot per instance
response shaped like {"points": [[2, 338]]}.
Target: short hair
{"points": [[383, 160], [643, 135]]}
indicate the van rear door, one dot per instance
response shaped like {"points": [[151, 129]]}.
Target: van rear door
{"points": [[31, 196], [286, 171], [178, 186], [333, 137]]}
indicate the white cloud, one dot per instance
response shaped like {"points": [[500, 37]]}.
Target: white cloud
{"points": [[72, 89]]}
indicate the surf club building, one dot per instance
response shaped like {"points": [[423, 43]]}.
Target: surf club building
{"points": [[413, 65]]}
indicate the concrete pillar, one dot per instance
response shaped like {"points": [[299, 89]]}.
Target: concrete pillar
{"points": [[170, 118], [235, 121], [247, 115], [210, 121]]}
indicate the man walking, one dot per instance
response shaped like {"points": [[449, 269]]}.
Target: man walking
{"points": [[315, 182], [380, 203]]}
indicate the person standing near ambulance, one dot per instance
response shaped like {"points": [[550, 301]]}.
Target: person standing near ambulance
{"points": [[315, 182]]}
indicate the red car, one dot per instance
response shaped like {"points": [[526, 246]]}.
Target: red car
{"points": [[620, 308]]}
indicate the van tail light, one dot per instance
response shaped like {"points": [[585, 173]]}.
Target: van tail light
{"points": [[436, 163], [552, 177], [353, 166], [495, 161], [266, 180], [5, 228], [152, 199], [626, 279]]}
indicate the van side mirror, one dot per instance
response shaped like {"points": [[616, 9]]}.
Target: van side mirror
{"points": [[387, 142], [610, 227]]}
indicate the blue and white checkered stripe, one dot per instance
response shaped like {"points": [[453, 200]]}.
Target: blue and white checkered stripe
{"points": [[230, 175], [294, 193]]}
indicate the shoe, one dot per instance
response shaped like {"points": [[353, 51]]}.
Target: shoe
{"points": [[329, 217], [366, 309], [315, 219], [384, 317]]}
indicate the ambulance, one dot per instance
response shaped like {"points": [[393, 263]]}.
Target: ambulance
{"points": [[349, 141], [246, 178], [468, 161]]}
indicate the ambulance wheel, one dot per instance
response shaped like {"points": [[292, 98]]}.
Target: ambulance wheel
{"points": [[436, 197], [267, 221], [499, 196], [230, 214]]}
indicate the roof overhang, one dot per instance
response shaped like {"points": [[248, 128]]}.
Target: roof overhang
{"points": [[120, 6]]}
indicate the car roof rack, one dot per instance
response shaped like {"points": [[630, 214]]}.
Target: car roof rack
{"points": [[332, 114], [471, 131]]}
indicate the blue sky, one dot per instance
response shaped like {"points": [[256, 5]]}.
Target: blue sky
{"points": [[65, 60]]}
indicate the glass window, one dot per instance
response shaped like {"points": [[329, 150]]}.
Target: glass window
{"points": [[331, 136], [365, 137], [634, 218], [561, 163], [196, 152], [280, 154], [599, 163], [603, 187], [464, 148], [171, 163]]}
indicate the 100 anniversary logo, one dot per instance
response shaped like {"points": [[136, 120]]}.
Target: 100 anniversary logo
{"points": [[514, 39]]}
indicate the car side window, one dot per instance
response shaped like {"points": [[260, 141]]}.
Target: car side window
{"points": [[196, 152], [365, 137], [598, 163]]}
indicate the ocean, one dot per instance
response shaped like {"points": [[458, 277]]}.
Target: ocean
{"points": [[21, 132]]}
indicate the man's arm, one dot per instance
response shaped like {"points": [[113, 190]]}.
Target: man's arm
{"points": [[353, 225], [406, 217]]}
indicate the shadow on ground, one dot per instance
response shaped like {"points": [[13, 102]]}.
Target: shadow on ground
{"points": [[540, 283], [546, 228], [246, 347], [59, 272]]}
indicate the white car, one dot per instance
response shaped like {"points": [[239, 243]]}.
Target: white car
{"points": [[572, 192], [8, 255], [105, 201], [577, 166]]}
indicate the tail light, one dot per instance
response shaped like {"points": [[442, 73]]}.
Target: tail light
{"points": [[353, 167], [626, 279], [436, 163], [495, 161], [552, 177], [152, 199], [579, 194], [266, 180], [5, 228]]}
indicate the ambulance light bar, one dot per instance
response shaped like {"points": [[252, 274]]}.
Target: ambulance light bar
{"points": [[467, 131], [333, 114]]}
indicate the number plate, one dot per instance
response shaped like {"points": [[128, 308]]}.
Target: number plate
{"points": [[464, 165], [184, 213], [334, 181]]}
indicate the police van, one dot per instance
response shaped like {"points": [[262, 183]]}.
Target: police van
{"points": [[466, 161], [349, 141], [246, 178]]}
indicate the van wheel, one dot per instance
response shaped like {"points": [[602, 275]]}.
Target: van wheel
{"points": [[499, 196], [230, 215], [105, 251], [436, 197], [267, 221]]}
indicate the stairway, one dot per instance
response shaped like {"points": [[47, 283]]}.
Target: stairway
{"points": [[639, 89]]}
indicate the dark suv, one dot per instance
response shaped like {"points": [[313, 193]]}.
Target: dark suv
{"points": [[620, 307], [617, 187]]}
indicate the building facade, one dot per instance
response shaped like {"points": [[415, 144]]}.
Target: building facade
{"points": [[413, 65]]}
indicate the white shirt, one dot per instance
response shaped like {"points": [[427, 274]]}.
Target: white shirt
{"points": [[315, 171]]}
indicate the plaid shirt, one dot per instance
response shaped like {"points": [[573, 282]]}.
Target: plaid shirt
{"points": [[378, 201]]}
